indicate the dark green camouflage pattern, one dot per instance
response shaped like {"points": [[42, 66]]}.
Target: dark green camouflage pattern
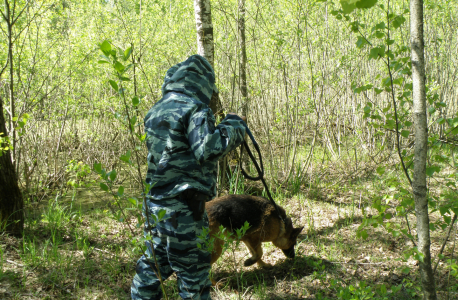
{"points": [[175, 244], [183, 142], [184, 146]]}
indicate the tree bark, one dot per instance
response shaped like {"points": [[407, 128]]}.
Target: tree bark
{"points": [[205, 46], [421, 139], [202, 9], [243, 59], [9, 24], [11, 202]]}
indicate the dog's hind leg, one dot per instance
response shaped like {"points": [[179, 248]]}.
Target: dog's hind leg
{"points": [[256, 254], [216, 253]]}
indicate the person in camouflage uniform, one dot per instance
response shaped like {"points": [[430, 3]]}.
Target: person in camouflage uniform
{"points": [[184, 146]]}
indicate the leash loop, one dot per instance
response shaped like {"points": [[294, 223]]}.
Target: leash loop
{"points": [[259, 168]]}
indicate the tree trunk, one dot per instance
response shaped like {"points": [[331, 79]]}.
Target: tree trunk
{"points": [[242, 70], [243, 59], [9, 25], [205, 47], [11, 202], [421, 139]]}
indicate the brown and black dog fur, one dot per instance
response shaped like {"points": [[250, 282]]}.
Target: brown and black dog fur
{"points": [[232, 211]]}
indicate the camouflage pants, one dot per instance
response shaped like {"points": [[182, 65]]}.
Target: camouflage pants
{"points": [[175, 244]]}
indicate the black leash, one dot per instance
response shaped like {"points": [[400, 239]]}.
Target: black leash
{"points": [[259, 169]]}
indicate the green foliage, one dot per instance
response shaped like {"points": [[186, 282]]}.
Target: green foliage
{"points": [[5, 144], [77, 174], [228, 238], [383, 44]]}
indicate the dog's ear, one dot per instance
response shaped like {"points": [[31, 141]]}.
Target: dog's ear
{"points": [[296, 231]]}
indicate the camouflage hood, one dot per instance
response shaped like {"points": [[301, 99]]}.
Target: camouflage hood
{"points": [[194, 77], [184, 145]]}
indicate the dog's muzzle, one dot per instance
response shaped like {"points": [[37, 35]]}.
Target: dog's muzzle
{"points": [[289, 253]]}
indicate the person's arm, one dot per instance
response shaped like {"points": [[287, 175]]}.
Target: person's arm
{"points": [[209, 142]]}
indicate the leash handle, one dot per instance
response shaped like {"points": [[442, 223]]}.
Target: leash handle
{"points": [[259, 169]]}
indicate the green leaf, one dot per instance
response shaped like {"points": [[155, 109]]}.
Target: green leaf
{"points": [[390, 124], [378, 91], [381, 170], [383, 290], [135, 101], [379, 34], [406, 270], [405, 133], [104, 57], [454, 131], [133, 120], [361, 42], [347, 6], [363, 234], [161, 214], [126, 157], [113, 175], [380, 26], [119, 67], [127, 53], [121, 191], [366, 3], [133, 201], [443, 210], [398, 81], [430, 171], [377, 52], [106, 47], [386, 82], [97, 167], [389, 42], [398, 21], [114, 85], [395, 233], [103, 62], [104, 187]]}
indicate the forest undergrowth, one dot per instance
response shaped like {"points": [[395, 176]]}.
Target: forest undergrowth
{"points": [[73, 248], [329, 102]]}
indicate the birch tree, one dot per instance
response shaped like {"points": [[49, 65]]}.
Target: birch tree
{"points": [[421, 139], [205, 46]]}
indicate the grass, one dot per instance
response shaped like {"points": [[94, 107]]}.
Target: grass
{"points": [[83, 253]]}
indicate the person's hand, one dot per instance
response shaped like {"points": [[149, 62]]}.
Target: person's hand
{"points": [[242, 117]]}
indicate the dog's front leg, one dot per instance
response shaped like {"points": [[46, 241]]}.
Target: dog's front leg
{"points": [[255, 249]]}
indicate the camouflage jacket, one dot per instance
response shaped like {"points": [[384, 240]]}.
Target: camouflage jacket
{"points": [[183, 142]]}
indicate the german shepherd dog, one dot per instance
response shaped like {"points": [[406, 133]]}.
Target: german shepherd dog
{"points": [[232, 211]]}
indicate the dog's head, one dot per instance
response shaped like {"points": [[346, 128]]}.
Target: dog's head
{"points": [[287, 238], [289, 252]]}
